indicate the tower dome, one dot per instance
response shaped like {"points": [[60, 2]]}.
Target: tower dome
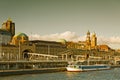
{"points": [[88, 33], [20, 37], [63, 41], [94, 34]]}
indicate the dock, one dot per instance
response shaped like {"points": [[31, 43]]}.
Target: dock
{"points": [[31, 67], [31, 71]]}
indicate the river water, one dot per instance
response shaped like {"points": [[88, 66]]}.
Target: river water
{"points": [[113, 74]]}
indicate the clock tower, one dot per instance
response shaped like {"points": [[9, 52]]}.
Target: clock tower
{"points": [[88, 41]]}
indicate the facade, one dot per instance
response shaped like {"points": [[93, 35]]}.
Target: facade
{"points": [[48, 47], [18, 46], [5, 37], [88, 41], [7, 32], [9, 26], [94, 41], [16, 52], [75, 45]]}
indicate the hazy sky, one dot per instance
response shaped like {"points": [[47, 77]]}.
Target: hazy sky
{"points": [[46, 17]]}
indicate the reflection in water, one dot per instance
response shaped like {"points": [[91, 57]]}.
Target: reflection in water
{"points": [[71, 74]]}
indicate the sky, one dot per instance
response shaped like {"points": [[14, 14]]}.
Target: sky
{"points": [[68, 19]]}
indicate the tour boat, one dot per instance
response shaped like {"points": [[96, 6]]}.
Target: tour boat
{"points": [[78, 68]]}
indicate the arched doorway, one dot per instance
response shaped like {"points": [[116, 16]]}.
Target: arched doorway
{"points": [[25, 53]]}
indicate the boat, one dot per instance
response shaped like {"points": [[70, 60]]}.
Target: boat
{"points": [[80, 68]]}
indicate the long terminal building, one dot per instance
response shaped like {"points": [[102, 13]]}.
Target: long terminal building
{"points": [[17, 46]]}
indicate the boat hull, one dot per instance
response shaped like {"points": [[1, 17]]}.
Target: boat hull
{"points": [[79, 68], [73, 69]]}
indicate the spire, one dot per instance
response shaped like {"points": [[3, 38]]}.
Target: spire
{"points": [[94, 34], [9, 19], [88, 33]]}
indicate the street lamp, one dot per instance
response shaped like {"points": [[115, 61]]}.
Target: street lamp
{"points": [[1, 42], [48, 49], [19, 48]]}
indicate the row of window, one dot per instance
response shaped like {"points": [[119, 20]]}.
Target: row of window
{"points": [[92, 67]]}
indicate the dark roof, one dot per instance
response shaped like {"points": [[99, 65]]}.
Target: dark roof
{"points": [[5, 32], [37, 41]]}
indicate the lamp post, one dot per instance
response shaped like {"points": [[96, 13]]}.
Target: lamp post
{"points": [[19, 49], [48, 49], [1, 42]]}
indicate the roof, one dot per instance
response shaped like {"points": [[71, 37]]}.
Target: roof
{"points": [[20, 34], [104, 46], [62, 41], [37, 41], [9, 19], [5, 32]]}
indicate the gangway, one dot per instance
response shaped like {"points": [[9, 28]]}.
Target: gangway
{"points": [[34, 56]]}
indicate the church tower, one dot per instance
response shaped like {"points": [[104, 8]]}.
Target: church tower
{"points": [[9, 26], [94, 41], [88, 41]]}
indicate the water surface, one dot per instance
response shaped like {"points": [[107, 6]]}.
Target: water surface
{"points": [[113, 74]]}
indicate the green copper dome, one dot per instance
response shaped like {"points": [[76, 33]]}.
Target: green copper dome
{"points": [[19, 37], [20, 34], [62, 41]]}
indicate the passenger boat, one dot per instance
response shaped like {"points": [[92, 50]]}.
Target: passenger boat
{"points": [[78, 68]]}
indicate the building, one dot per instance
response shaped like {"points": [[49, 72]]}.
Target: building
{"points": [[48, 47], [5, 37], [9, 26], [104, 48], [7, 32], [17, 46], [88, 44], [94, 41]]}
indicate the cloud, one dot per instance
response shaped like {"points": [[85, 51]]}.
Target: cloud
{"points": [[72, 36], [69, 36], [110, 40], [113, 42]]}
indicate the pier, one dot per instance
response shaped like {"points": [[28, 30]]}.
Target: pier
{"points": [[15, 65], [31, 71], [30, 67]]}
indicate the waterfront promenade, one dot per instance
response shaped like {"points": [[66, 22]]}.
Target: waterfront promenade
{"points": [[31, 67], [34, 67], [51, 63], [31, 71]]}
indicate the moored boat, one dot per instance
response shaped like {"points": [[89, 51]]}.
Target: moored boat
{"points": [[78, 67]]}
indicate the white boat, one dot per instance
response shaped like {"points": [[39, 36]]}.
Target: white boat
{"points": [[78, 68]]}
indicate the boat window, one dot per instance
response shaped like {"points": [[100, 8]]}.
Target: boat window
{"points": [[79, 66]]}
